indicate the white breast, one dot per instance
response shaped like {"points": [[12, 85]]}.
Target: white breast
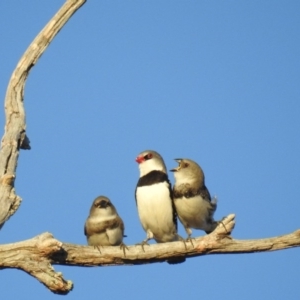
{"points": [[115, 236], [98, 239], [155, 211]]}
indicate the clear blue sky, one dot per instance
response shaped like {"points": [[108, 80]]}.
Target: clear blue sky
{"points": [[214, 81]]}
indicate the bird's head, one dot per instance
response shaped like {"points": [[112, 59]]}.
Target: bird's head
{"points": [[102, 205], [150, 160], [187, 171]]}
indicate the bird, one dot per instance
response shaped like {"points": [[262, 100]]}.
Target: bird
{"points": [[193, 203], [104, 227], [154, 201]]}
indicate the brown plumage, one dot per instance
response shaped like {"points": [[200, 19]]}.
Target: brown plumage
{"points": [[193, 203], [104, 227]]}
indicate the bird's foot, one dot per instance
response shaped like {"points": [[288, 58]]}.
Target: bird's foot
{"points": [[221, 222], [143, 243], [124, 247], [224, 233], [98, 247], [183, 240], [190, 239]]}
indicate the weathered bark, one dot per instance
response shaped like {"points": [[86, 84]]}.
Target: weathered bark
{"points": [[32, 256], [36, 256], [15, 137]]}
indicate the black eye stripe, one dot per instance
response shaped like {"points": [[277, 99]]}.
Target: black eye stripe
{"points": [[148, 156], [102, 204]]}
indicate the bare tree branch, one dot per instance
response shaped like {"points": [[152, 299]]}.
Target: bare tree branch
{"points": [[15, 137], [36, 255]]}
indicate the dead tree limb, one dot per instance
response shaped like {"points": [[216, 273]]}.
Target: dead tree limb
{"points": [[15, 137], [37, 255]]}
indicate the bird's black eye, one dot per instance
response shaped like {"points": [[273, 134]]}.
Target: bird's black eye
{"points": [[102, 204], [186, 165], [148, 156]]}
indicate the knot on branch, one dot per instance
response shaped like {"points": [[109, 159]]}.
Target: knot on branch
{"points": [[47, 244], [24, 141], [8, 179]]}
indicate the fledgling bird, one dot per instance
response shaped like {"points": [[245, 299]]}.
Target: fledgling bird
{"points": [[104, 227], [192, 200], [154, 201]]}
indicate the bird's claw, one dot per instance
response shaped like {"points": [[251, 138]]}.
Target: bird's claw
{"points": [[221, 222], [190, 239], [97, 247], [124, 247], [143, 243], [183, 240]]}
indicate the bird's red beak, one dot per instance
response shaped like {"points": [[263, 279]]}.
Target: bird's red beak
{"points": [[140, 159]]}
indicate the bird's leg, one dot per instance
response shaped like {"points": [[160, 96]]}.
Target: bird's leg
{"points": [[144, 242], [98, 247], [123, 247], [190, 239], [183, 240], [189, 233]]}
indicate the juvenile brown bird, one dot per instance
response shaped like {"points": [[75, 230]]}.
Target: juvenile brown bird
{"points": [[193, 203], [104, 227]]}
